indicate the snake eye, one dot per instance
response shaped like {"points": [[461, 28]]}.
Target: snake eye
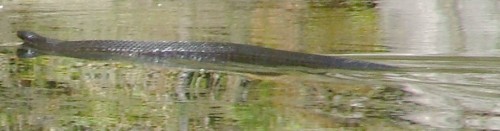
{"points": [[30, 36]]}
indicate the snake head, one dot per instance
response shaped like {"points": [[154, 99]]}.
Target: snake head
{"points": [[37, 41], [31, 37]]}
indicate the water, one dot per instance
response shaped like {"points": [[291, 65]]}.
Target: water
{"points": [[447, 50]]}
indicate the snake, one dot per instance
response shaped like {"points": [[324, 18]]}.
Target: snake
{"points": [[207, 52]]}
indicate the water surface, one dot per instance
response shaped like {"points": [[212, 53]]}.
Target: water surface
{"points": [[447, 50]]}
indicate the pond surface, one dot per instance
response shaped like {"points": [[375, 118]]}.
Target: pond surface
{"points": [[447, 50]]}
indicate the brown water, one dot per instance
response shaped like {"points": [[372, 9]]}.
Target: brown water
{"points": [[447, 48]]}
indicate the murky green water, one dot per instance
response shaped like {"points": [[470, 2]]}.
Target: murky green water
{"points": [[448, 50]]}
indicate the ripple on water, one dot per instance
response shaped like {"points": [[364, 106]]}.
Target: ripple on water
{"points": [[444, 91]]}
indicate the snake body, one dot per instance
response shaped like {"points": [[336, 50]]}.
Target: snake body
{"points": [[212, 52]]}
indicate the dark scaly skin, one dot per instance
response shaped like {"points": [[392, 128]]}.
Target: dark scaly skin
{"points": [[214, 52]]}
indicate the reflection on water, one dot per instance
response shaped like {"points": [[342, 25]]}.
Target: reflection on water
{"points": [[101, 95], [457, 89], [80, 94], [458, 27]]}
